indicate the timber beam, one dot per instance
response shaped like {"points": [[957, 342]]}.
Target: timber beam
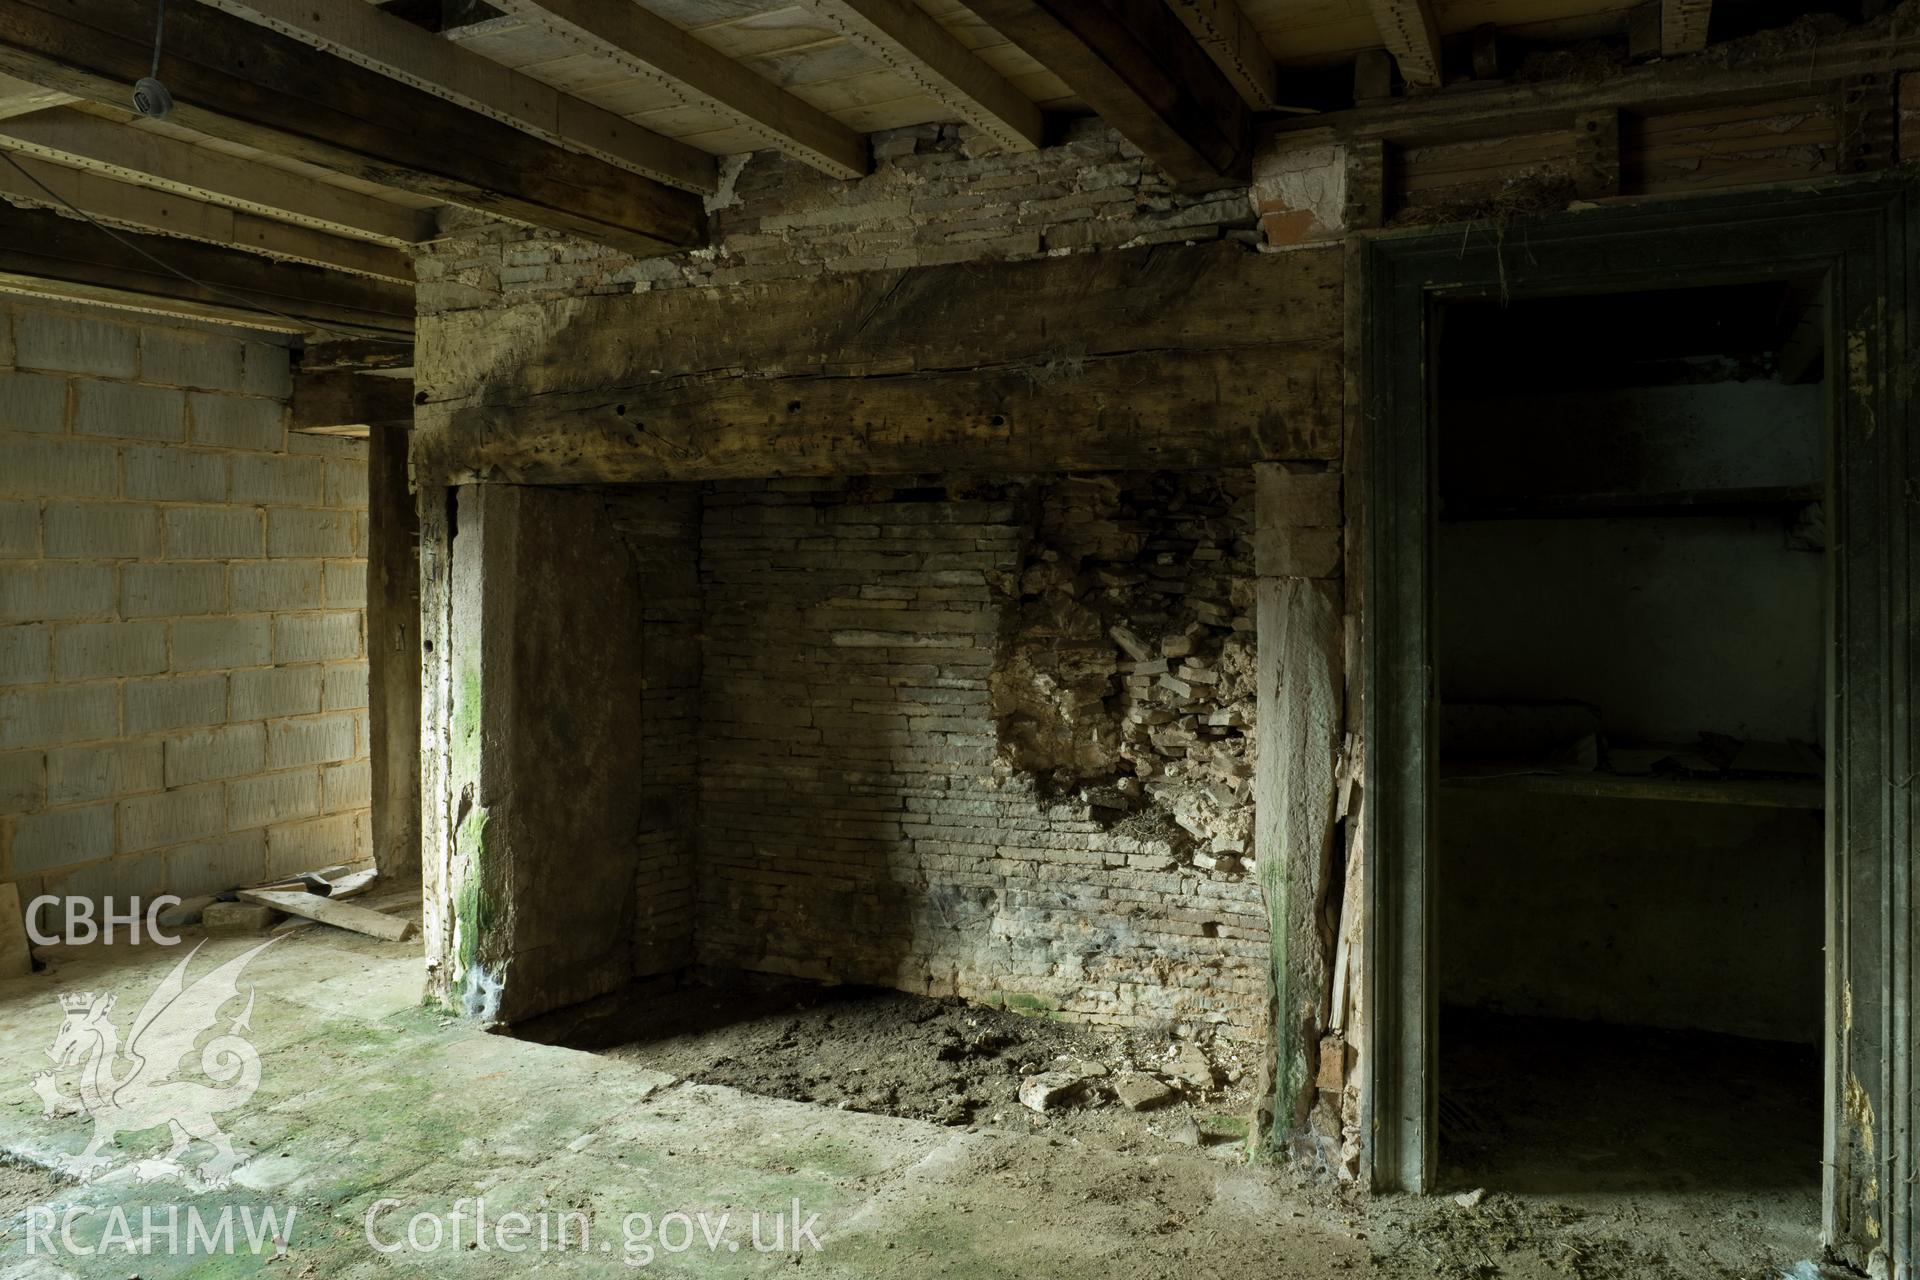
{"points": [[1139, 66], [241, 83], [46, 253]]}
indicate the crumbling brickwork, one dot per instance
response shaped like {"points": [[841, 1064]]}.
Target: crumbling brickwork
{"points": [[860, 820], [929, 200]]}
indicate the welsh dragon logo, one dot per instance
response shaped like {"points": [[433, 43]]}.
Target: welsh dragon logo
{"points": [[138, 1086]]}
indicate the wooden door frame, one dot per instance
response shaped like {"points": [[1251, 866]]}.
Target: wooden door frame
{"points": [[1861, 238]]}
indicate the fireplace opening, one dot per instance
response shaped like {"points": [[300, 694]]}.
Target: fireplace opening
{"points": [[946, 780]]}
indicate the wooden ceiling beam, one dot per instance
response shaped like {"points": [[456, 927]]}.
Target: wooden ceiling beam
{"points": [[1141, 69], [1226, 33], [46, 254], [233, 80], [902, 35], [120, 149], [700, 76], [329, 401], [1408, 29], [124, 204], [1683, 26], [394, 47]]}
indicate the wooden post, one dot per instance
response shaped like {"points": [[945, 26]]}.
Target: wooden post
{"points": [[393, 653], [1297, 541]]}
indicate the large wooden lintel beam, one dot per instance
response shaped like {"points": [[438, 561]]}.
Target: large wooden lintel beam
{"points": [[699, 75], [46, 253], [1097, 361], [332, 401], [1408, 29], [233, 80], [1137, 65]]}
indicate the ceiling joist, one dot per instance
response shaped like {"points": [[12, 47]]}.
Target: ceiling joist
{"points": [[900, 34], [1683, 26], [236, 81], [123, 204], [50, 255], [1141, 69], [362, 33], [1408, 29], [1224, 31], [121, 150], [699, 75]]}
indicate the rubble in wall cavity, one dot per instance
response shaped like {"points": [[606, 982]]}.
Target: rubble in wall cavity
{"points": [[1126, 673]]}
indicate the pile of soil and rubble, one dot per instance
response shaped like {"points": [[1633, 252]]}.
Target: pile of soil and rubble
{"points": [[920, 1058]]}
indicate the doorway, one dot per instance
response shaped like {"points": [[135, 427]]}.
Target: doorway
{"points": [[1847, 246], [1630, 637]]}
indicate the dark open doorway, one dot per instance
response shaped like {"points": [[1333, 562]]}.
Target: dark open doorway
{"points": [[1630, 638], [1852, 245]]}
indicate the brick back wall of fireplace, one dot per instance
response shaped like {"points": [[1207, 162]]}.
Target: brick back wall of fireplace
{"points": [[854, 823]]}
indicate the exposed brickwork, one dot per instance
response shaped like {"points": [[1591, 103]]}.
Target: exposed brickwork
{"points": [[930, 200], [661, 525], [183, 681], [857, 819]]}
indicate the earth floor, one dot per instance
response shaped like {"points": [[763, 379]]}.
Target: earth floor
{"points": [[375, 1116]]}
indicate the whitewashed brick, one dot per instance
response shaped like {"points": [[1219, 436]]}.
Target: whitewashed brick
{"points": [[273, 797], [209, 644], [299, 532], [102, 530], [210, 754], [239, 422], [61, 837], [19, 528], [172, 817], [32, 402], [75, 344], [129, 409], [346, 584], [276, 691], [274, 585], [95, 650], [76, 775], [213, 533], [55, 591], [176, 475], [348, 786], [23, 777], [280, 479], [316, 637], [58, 467], [183, 358], [306, 846], [166, 590], [179, 703], [346, 687], [26, 655], [319, 740]]}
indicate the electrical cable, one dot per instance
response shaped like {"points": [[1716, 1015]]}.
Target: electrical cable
{"points": [[245, 302]]}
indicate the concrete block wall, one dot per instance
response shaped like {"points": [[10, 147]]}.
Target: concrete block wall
{"points": [[183, 680], [856, 820]]}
